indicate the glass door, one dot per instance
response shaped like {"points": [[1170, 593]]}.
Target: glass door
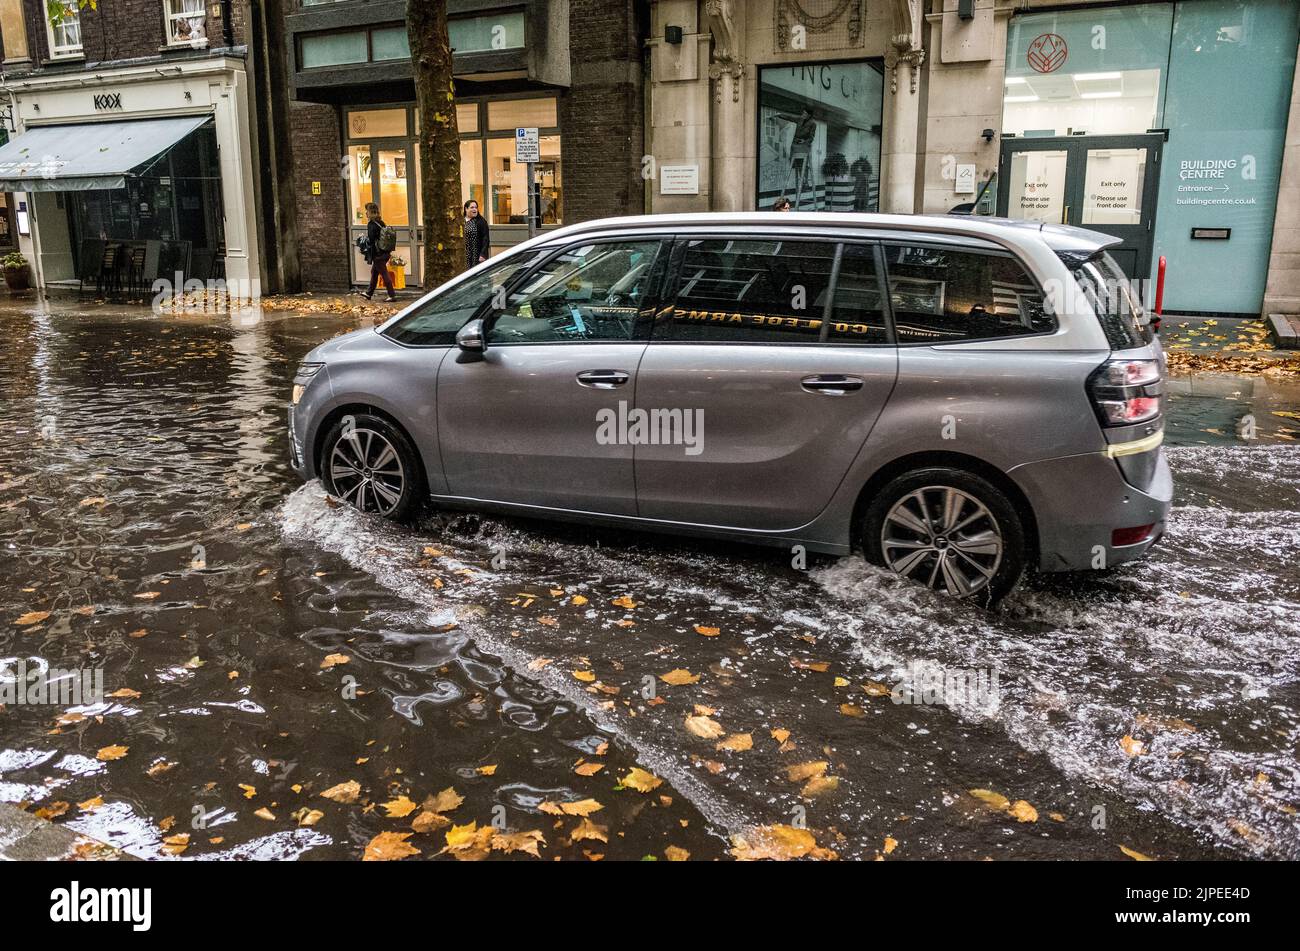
{"points": [[396, 187], [384, 172], [1103, 183]]}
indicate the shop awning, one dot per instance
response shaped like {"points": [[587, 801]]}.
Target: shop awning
{"points": [[69, 158]]}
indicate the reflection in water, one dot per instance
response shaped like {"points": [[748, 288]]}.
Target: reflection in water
{"points": [[147, 506], [136, 525]]}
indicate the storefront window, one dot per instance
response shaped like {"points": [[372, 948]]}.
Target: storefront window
{"points": [[471, 172], [467, 117], [508, 180], [168, 219], [359, 182], [393, 195], [489, 173], [521, 114], [1095, 72], [819, 136], [377, 124]]}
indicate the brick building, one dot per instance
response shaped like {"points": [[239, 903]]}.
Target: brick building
{"points": [[571, 68], [134, 141]]}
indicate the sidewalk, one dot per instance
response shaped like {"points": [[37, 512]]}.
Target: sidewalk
{"points": [[1225, 345], [26, 838]]}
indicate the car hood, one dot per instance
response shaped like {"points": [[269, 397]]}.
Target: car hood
{"points": [[367, 340]]}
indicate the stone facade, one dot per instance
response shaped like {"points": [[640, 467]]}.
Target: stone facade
{"points": [[941, 107]]}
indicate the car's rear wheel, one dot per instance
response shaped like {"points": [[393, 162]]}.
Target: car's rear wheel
{"points": [[948, 529], [371, 465]]}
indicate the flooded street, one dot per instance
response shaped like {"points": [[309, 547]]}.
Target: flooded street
{"points": [[261, 646]]}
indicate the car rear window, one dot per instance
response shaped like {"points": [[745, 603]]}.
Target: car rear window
{"points": [[944, 295], [1115, 299]]}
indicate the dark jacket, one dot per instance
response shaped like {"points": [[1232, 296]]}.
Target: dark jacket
{"points": [[478, 240], [373, 229]]}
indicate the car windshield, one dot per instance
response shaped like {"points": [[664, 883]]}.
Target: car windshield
{"points": [[1115, 298], [436, 321]]}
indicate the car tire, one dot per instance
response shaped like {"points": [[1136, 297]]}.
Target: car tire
{"points": [[376, 469], [948, 529]]}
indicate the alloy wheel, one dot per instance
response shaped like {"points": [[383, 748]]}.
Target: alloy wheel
{"points": [[944, 538], [367, 471]]}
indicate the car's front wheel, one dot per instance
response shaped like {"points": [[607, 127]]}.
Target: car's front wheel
{"points": [[370, 464], [949, 530]]}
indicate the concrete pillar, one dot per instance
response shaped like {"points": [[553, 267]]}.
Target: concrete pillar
{"points": [[237, 183], [902, 117], [727, 73], [1282, 291]]}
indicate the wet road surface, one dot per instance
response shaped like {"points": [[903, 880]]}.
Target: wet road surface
{"points": [[281, 646]]}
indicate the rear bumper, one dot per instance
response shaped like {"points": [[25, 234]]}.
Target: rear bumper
{"points": [[1078, 501]]}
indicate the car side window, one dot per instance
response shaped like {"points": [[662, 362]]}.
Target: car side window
{"points": [[775, 291], [731, 290], [436, 321], [596, 291], [858, 312], [946, 294]]}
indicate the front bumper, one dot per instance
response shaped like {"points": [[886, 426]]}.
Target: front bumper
{"points": [[296, 449], [1078, 501]]}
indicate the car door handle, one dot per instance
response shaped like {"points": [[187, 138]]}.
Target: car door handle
{"points": [[603, 379], [832, 384]]}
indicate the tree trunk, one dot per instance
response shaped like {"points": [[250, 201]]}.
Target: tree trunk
{"points": [[435, 97]]}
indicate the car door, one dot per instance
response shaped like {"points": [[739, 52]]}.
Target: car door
{"points": [[523, 424], [779, 351]]}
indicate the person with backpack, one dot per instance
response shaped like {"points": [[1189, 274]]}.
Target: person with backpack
{"points": [[380, 240]]}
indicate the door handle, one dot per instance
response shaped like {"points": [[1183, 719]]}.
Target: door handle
{"points": [[832, 384], [602, 379]]}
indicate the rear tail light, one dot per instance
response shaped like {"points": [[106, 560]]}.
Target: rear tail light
{"points": [[1126, 391], [1130, 536]]}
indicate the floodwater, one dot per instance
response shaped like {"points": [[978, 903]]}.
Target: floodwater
{"points": [[147, 505]]}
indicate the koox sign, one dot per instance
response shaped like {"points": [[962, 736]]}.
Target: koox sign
{"points": [[108, 100]]}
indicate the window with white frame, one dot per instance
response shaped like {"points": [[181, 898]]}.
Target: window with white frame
{"points": [[65, 35], [187, 22]]}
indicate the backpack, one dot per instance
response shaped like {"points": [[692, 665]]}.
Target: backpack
{"points": [[387, 239]]}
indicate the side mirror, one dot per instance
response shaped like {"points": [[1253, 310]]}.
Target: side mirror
{"points": [[471, 341]]}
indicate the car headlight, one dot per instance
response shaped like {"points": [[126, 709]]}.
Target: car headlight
{"points": [[302, 377]]}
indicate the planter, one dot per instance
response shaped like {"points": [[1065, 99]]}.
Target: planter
{"points": [[839, 194], [398, 272], [18, 277]]}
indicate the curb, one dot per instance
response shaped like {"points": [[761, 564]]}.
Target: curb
{"points": [[1286, 331], [25, 838]]}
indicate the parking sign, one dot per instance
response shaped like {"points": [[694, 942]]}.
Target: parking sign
{"points": [[527, 148]]}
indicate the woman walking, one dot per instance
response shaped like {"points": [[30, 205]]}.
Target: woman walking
{"points": [[478, 242], [377, 251]]}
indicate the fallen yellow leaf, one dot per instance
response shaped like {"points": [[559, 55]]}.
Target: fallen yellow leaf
{"points": [[399, 808], [345, 793], [389, 847], [704, 728], [679, 678], [640, 780]]}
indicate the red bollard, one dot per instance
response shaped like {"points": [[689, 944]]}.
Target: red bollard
{"points": [[1160, 293]]}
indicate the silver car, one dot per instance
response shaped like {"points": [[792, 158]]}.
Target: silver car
{"points": [[959, 398]]}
